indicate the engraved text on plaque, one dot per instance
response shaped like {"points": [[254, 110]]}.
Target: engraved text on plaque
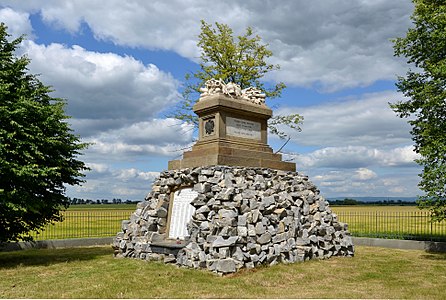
{"points": [[181, 212], [243, 128]]}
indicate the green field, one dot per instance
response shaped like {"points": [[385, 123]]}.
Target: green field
{"points": [[81, 221], [373, 273], [401, 222]]}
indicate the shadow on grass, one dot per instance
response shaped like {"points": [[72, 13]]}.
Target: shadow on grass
{"points": [[434, 256], [46, 257]]}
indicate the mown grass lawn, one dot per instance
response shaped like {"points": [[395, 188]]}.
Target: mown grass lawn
{"points": [[94, 273]]}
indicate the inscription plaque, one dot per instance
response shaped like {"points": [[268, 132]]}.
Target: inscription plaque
{"points": [[243, 128], [181, 212]]}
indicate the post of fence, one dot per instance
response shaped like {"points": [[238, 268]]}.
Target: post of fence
{"points": [[432, 224], [376, 222], [88, 224]]}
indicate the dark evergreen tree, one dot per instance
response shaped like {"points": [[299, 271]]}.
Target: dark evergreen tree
{"points": [[38, 152]]}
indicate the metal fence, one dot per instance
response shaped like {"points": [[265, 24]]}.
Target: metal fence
{"points": [[85, 224], [413, 225]]}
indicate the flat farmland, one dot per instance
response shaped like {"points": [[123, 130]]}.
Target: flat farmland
{"points": [[401, 222], [85, 221]]}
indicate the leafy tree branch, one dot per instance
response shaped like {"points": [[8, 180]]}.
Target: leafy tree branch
{"points": [[424, 46]]}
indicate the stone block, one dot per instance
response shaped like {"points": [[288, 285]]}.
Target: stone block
{"points": [[241, 219], [227, 213], [279, 238], [242, 231], [251, 230], [226, 266], [202, 188], [161, 212], [238, 254], [264, 238], [221, 242], [260, 228]]}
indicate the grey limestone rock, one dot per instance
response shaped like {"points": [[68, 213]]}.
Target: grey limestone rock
{"points": [[260, 228], [161, 212], [264, 238], [242, 231], [222, 242], [226, 265], [244, 217]]}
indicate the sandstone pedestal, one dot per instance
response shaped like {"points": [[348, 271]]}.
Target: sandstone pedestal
{"points": [[232, 132]]}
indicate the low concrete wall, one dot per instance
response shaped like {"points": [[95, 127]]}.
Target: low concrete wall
{"points": [[53, 244], [358, 241], [400, 244]]}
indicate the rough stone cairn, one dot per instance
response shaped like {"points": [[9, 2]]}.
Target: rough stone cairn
{"points": [[244, 217]]}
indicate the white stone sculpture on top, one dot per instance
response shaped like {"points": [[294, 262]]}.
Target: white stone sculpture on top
{"points": [[233, 90]]}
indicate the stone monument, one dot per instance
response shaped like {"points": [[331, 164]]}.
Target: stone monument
{"points": [[232, 130], [231, 203]]}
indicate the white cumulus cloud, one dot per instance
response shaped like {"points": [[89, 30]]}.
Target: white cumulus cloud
{"points": [[364, 182], [18, 22], [330, 45], [362, 120], [103, 85], [358, 156], [105, 180], [365, 174]]}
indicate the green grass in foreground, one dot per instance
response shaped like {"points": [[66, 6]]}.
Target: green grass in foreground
{"points": [[94, 273]]}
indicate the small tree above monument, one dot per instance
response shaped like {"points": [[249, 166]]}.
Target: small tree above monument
{"points": [[241, 61]]}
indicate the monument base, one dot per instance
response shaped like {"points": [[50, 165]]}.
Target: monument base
{"points": [[243, 218], [232, 132], [167, 247], [230, 153]]}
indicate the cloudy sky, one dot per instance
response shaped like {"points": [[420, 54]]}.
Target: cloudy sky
{"points": [[121, 68]]}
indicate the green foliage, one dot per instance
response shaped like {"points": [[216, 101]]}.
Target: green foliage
{"points": [[37, 149], [241, 61], [348, 201], [293, 121], [424, 46]]}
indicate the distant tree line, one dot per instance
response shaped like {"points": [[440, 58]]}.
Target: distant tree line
{"points": [[349, 201], [345, 201], [76, 201]]}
